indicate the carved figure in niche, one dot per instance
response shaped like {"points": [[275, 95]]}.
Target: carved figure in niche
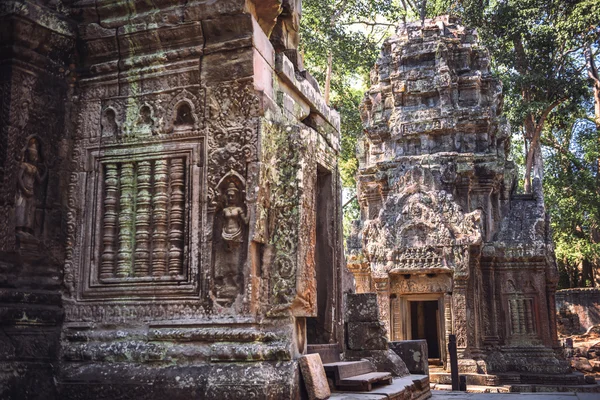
{"points": [[31, 174], [448, 172], [229, 236], [145, 121], [109, 123], [234, 216], [184, 115]]}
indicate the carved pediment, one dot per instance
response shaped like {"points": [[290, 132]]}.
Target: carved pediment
{"points": [[416, 222]]}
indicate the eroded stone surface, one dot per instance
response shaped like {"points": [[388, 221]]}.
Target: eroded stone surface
{"points": [[314, 376], [366, 336], [362, 307], [414, 354]]}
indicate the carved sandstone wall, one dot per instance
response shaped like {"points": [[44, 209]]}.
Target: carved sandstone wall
{"points": [[159, 168], [583, 302]]}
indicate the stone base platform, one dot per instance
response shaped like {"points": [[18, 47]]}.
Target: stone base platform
{"points": [[473, 388], [410, 387], [516, 382], [222, 381], [441, 395]]}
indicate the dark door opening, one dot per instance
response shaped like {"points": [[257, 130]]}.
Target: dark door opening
{"points": [[424, 325], [319, 329]]}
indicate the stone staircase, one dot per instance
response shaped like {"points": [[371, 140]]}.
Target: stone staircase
{"points": [[349, 375], [369, 368]]}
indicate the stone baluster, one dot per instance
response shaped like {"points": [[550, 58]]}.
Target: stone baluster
{"points": [[141, 264], [529, 317], [159, 218], [176, 216], [448, 314], [111, 181], [521, 313], [514, 316], [125, 221]]}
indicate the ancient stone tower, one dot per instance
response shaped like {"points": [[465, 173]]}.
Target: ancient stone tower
{"points": [[444, 241], [169, 196]]}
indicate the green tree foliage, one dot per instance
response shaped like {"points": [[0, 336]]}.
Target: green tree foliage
{"points": [[533, 54], [340, 40], [570, 189]]}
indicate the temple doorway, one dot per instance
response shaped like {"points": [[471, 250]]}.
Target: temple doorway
{"points": [[425, 324], [320, 329]]}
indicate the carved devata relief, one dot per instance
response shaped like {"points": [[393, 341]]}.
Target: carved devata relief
{"points": [[229, 239], [31, 175], [232, 135]]}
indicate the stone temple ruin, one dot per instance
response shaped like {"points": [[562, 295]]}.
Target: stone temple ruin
{"points": [[443, 240], [171, 210]]}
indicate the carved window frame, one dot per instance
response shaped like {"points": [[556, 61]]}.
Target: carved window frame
{"points": [[185, 285]]}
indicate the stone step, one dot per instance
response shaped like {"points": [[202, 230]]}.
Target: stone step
{"points": [[365, 382], [574, 378], [413, 387], [346, 369], [330, 353], [473, 388], [444, 378]]}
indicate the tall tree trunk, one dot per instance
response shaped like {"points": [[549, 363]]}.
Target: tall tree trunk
{"points": [[328, 77], [533, 133], [593, 74], [529, 125], [423, 11]]}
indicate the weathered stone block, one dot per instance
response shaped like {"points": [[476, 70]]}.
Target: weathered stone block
{"points": [[384, 360], [414, 354], [314, 376], [582, 364], [367, 336], [362, 307]]}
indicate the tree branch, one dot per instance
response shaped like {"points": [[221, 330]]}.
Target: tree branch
{"points": [[540, 124], [349, 201], [552, 143], [372, 24], [591, 65]]}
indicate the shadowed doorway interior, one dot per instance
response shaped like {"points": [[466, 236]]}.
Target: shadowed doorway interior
{"points": [[424, 325], [320, 330]]}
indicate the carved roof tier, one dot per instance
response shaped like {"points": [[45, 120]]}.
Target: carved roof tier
{"points": [[432, 92]]}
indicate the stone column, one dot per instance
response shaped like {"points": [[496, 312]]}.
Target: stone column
{"points": [[459, 314], [382, 289], [447, 324], [551, 297]]}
